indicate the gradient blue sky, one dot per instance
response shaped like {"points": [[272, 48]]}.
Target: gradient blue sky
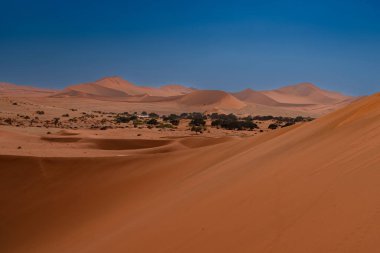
{"points": [[227, 45]]}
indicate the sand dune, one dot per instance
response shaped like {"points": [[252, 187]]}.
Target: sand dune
{"points": [[214, 98], [302, 99], [308, 188], [118, 87], [305, 93], [8, 89], [256, 97], [175, 89]]}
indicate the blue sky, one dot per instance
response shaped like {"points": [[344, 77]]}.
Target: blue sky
{"points": [[227, 45]]}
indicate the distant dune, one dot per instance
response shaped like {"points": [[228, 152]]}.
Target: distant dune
{"points": [[211, 98], [8, 89], [301, 99], [305, 93], [256, 97], [308, 188], [117, 87]]}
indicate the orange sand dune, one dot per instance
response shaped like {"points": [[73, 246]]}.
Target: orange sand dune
{"points": [[117, 87], [305, 93], [211, 98], [303, 99], [309, 188], [256, 97], [13, 90]]}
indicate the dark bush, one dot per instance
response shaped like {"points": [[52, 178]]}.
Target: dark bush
{"points": [[288, 124], [263, 118], [152, 122], [122, 119], [174, 122], [272, 126], [133, 117], [198, 129], [231, 122], [197, 122]]}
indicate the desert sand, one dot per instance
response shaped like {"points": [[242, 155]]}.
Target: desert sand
{"points": [[312, 187]]}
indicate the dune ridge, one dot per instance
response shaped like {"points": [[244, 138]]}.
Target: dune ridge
{"points": [[304, 99], [118, 87]]}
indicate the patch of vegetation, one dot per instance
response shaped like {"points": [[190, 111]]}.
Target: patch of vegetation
{"points": [[152, 122], [232, 122], [272, 126], [198, 129]]}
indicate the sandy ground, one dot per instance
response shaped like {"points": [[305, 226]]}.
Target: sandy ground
{"points": [[308, 188]]}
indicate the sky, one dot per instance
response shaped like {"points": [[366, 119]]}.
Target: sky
{"points": [[228, 45]]}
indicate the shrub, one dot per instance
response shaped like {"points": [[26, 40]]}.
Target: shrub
{"points": [[8, 121], [288, 124], [137, 122], [133, 117], [174, 122], [40, 112], [197, 122], [230, 122], [272, 126], [122, 119], [56, 121], [152, 122], [165, 125], [198, 129]]}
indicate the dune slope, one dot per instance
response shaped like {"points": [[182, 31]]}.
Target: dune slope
{"points": [[118, 87], [309, 188], [305, 93], [13, 90], [211, 98]]}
